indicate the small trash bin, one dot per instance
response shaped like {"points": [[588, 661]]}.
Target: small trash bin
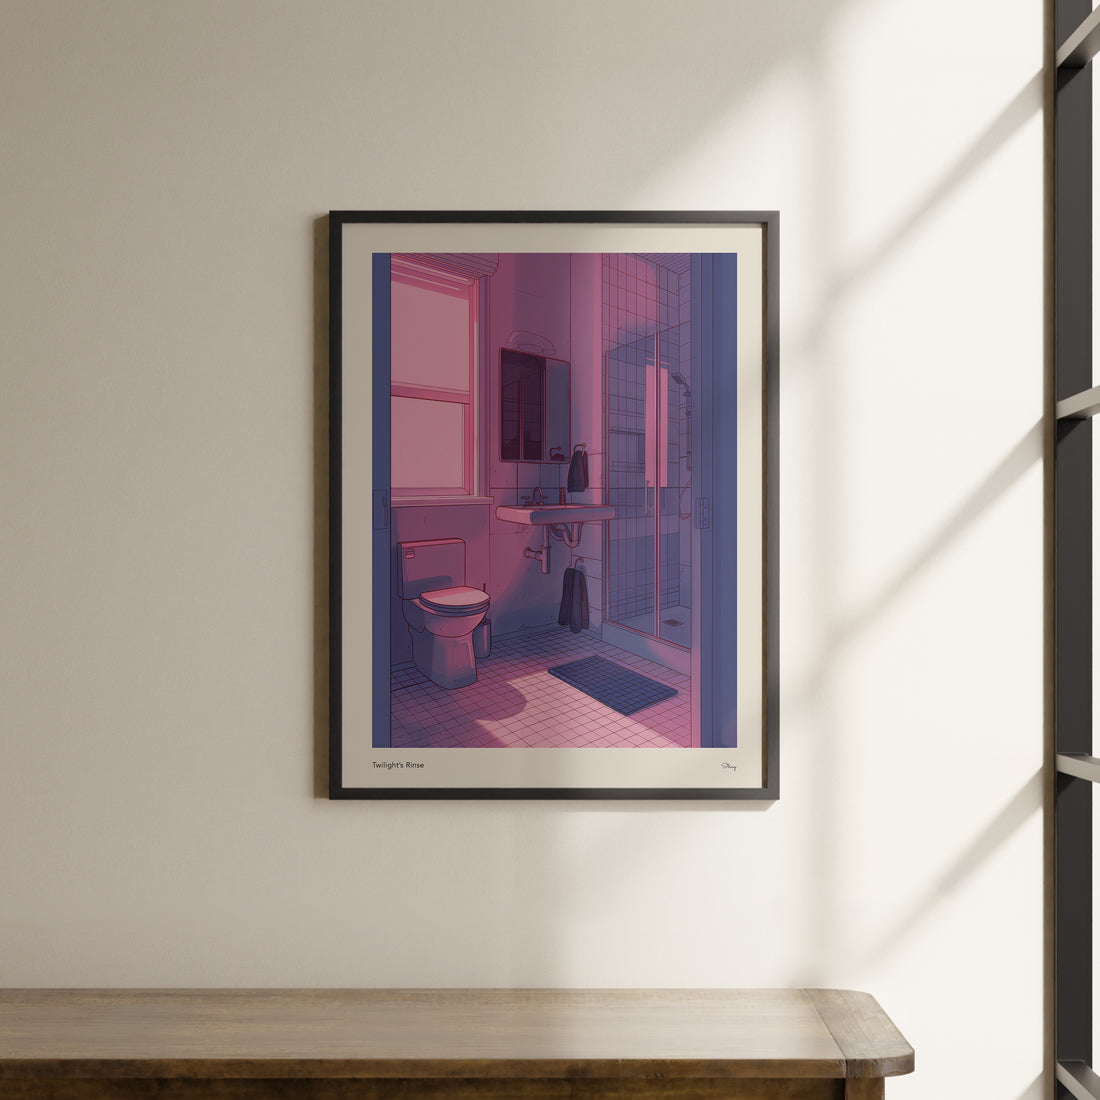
{"points": [[483, 639]]}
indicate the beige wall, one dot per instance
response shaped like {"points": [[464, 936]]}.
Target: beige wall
{"points": [[164, 168]]}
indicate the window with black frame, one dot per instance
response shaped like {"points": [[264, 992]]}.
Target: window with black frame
{"points": [[1076, 401]]}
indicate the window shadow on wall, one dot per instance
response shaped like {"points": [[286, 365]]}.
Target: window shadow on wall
{"points": [[845, 628], [741, 74]]}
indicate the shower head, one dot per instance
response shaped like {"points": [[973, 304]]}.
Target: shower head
{"points": [[681, 381]]}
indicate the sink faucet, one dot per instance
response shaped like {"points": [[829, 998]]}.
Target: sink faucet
{"points": [[537, 497]]}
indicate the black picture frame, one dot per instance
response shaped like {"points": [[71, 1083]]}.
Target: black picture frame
{"points": [[730, 262]]}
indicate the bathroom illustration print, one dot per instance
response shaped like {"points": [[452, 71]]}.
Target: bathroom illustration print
{"points": [[563, 547]]}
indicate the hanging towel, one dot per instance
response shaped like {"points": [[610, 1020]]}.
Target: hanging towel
{"points": [[565, 612], [578, 617], [577, 480]]}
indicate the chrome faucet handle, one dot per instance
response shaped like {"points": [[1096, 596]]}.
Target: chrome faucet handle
{"points": [[537, 496]]}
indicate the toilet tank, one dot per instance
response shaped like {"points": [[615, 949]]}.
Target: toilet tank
{"points": [[425, 566]]}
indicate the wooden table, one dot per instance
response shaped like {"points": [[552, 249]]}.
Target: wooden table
{"points": [[786, 1044]]}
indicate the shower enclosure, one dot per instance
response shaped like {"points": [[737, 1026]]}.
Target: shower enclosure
{"points": [[649, 547]]}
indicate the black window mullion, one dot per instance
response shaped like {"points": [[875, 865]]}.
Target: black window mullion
{"points": [[1072, 567]]}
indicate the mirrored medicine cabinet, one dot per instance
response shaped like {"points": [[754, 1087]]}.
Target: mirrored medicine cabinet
{"points": [[534, 408]]}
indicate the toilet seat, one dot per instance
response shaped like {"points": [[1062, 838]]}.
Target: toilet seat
{"points": [[459, 600]]}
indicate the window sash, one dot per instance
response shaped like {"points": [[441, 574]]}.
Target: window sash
{"points": [[412, 272]]}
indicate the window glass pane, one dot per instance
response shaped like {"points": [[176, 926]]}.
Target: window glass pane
{"points": [[430, 336], [426, 445]]}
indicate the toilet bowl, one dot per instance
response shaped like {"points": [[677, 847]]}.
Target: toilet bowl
{"points": [[440, 610]]}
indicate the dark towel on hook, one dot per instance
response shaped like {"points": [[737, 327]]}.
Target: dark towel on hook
{"points": [[578, 618], [565, 611], [573, 611], [577, 480]]}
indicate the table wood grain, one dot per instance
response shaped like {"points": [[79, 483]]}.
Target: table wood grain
{"points": [[788, 1044]]}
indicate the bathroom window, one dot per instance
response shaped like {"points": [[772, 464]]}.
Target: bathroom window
{"points": [[1074, 618], [433, 368]]}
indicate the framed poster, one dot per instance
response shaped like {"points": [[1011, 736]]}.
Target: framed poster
{"points": [[554, 487]]}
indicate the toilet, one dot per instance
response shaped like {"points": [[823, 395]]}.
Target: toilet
{"points": [[441, 611]]}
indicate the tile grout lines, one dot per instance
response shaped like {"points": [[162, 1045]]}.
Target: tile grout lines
{"points": [[517, 703]]}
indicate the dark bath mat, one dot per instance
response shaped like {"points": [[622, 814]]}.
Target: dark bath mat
{"points": [[616, 687]]}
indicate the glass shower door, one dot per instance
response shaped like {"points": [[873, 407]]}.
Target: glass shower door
{"points": [[632, 489], [649, 482], [676, 531]]}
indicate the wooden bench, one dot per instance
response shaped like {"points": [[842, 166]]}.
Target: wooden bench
{"points": [[789, 1044]]}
